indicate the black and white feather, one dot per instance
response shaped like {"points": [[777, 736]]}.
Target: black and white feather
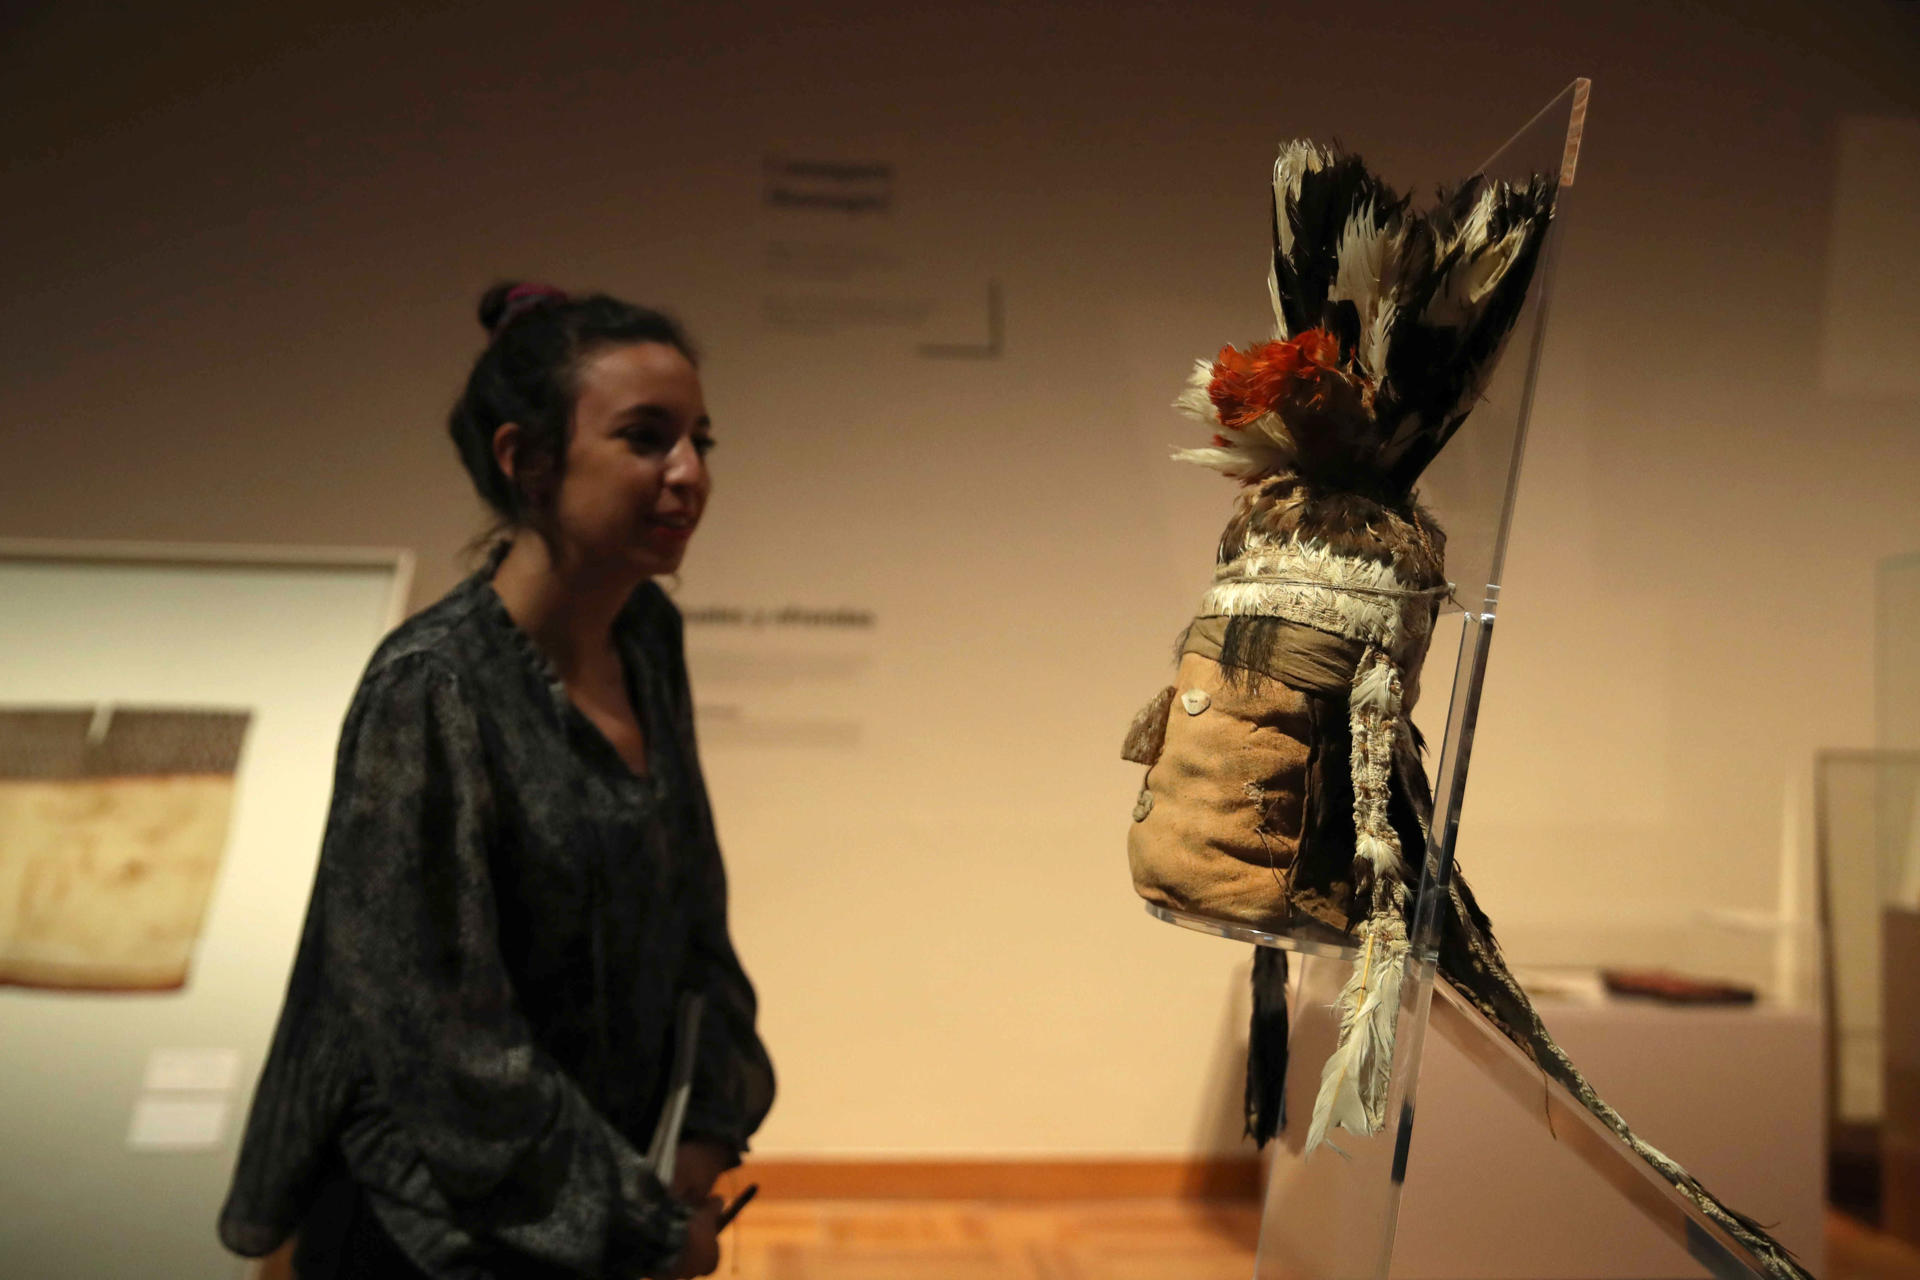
{"points": [[1468, 266], [1332, 223], [1420, 304]]}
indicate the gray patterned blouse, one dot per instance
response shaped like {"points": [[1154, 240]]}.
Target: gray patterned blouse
{"points": [[478, 1025]]}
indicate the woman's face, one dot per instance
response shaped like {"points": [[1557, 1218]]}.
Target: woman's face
{"points": [[635, 480]]}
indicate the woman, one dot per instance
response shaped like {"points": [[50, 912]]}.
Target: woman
{"points": [[519, 880]]}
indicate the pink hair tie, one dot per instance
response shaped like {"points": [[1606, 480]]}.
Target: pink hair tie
{"points": [[525, 297]]}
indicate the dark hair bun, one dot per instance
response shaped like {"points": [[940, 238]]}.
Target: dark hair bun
{"points": [[493, 304], [503, 302]]}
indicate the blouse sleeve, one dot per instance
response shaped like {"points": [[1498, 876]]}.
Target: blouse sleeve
{"points": [[505, 1144], [733, 1077], [733, 1084]]}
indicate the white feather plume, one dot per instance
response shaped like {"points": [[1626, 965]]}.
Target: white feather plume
{"points": [[1240, 459], [1474, 229], [1354, 1083], [1375, 690], [1380, 852], [1357, 275], [1260, 448], [1375, 336], [1295, 161], [1194, 400], [1482, 263], [1280, 331]]}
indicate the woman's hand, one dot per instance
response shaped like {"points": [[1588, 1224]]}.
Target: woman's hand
{"points": [[701, 1256], [696, 1167]]}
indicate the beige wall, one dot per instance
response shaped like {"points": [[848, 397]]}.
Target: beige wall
{"points": [[242, 254]]}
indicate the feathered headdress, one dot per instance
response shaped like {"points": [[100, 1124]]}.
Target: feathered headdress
{"points": [[1386, 325]]}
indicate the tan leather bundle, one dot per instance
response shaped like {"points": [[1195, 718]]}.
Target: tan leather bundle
{"points": [[1233, 773], [1283, 749]]}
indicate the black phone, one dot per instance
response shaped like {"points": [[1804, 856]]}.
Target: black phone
{"points": [[732, 1211]]}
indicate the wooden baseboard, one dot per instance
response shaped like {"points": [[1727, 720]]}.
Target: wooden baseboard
{"points": [[1224, 1178]]}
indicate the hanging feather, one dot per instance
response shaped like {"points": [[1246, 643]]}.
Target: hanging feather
{"points": [[1354, 1083]]}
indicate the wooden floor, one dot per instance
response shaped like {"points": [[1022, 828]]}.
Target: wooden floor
{"points": [[1089, 1240], [985, 1240], [1134, 1239]]}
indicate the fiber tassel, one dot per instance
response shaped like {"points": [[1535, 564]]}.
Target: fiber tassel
{"points": [[1353, 1085], [1374, 711], [1267, 1046]]}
